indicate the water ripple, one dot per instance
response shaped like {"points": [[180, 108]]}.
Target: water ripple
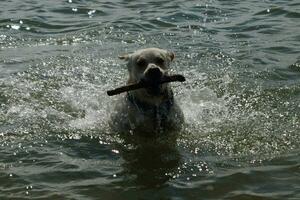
{"points": [[240, 100]]}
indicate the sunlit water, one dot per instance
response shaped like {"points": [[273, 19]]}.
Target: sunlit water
{"points": [[241, 100]]}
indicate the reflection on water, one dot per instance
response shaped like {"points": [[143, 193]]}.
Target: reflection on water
{"points": [[151, 161]]}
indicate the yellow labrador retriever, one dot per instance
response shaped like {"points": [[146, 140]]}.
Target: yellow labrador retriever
{"points": [[151, 110]]}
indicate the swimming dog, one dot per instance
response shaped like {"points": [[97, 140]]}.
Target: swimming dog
{"points": [[150, 110]]}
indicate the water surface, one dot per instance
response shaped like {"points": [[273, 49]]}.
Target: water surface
{"points": [[241, 100]]}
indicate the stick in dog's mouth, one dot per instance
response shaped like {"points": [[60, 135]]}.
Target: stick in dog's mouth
{"points": [[146, 84]]}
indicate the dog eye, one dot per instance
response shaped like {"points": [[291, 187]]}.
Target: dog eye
{"points": [[159, 61], [142, 62]]}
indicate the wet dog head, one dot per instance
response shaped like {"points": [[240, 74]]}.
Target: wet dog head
{"points": [[149, 65]]}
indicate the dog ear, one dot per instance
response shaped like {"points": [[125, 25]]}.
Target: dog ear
{"points": [[124, 57], [171, 55]]}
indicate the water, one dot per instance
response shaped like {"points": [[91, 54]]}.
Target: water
{"points": [[241, 100]]}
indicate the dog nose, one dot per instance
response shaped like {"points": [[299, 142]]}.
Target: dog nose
{"points": [[153, 73]]}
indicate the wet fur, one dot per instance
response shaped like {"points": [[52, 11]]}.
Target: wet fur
{"points": [[140, 112]]}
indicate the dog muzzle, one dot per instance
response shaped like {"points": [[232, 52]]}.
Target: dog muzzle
{"points": [[153, 76]]}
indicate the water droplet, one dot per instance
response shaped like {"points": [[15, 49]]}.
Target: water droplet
{"points": [[74, 9], [70, 1], [268, 10], [91, 12], [115, 151], [16, 27], [115, 175]]}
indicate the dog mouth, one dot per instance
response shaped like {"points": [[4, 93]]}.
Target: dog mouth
{"points": [[154, 86], [154, 90], [153, 77]]}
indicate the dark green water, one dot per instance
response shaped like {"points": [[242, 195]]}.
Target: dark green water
{"points": [[241, 101]]}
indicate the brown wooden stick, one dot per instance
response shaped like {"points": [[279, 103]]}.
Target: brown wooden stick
{"points": [[143, 84]]}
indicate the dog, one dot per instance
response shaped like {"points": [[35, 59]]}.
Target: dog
{"points": [[153, 110]]}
